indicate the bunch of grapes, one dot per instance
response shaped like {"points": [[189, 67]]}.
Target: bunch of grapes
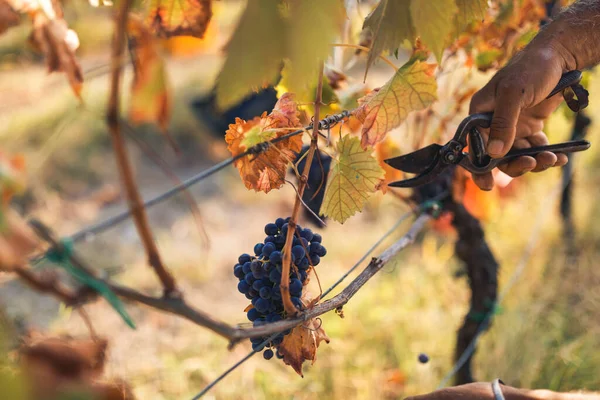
{"points": [[260, 275]]}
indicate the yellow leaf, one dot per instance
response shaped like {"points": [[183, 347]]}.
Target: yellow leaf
{"points": [[433, 21], [267, 170], [302, 343], [469, 11], [252, 53], [149, 92], [413, 87], [390, 24], [355, 174], [179, 17], [312, 27]]}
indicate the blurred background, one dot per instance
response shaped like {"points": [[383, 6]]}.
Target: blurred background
{"points": [[546, 334]]}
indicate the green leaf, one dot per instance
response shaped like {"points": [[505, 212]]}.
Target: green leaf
{"points": [[469, 11], [486, 59], [413, 87], [253, 53], [433, 21], [312, 27], [355, 175], [390, 24]]}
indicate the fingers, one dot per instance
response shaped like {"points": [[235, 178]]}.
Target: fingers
{"points": [[504, 123], [484, 181], [518, 166]]}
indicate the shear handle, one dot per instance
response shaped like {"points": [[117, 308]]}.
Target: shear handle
{"points": [[484, 120], [565, 147]]}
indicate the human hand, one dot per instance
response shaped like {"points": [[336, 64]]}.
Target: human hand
{"points": [[517, 96]]}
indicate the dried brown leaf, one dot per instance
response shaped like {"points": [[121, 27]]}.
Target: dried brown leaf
{"points": [[8, 16], [302, 343], [266, 171]]}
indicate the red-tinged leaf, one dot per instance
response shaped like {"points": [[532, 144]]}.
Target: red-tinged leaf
{"points": [[413, 87], [8, 17], [302, 343], [266, 171], [58, 43], [150, 99], [180, 17]]}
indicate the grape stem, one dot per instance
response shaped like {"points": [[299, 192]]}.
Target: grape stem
{"points": [[288, 306]]}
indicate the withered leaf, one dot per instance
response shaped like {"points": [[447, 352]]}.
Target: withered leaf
{"points": [[267, 170], [150, 98], [412, 88], [302, 343], [17, 240], [58, 44], [180, 17]]}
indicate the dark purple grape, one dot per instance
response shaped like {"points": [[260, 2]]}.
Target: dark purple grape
{"points": [[315, 260], [278, 354], [280, 240], [270, 239], [252, 292], [258, 346], [297, 302], [307, 234], [249, 278], [248, 295], [322, 251], [423, 358], [275, 257], [268, 354], [295, 286], [243, 287], [238, 271], [258, 249], [304, 243], [303, 275], [253, 314], [279, 222], [246, 268], [303, 264], [268, 249], [271, 229], [262, 305], [265, 292], [275, 276], [244, 258], [316, 238], [298, 252]]}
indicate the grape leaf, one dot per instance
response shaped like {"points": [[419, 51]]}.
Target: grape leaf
{"points": [[180, 17], [390, 24], [355, 174], [302, 343], [149, 92], [433, 21], [58, 43], [469, 11], [312, 27], [252, 60], [413, 87], [8, 17], [267, 170]]}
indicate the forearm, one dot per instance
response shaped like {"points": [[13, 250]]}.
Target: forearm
{"points": [[575, 34]]}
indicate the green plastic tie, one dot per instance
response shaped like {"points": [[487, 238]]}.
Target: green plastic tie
{"points": [[62, 258], [492, 308], [433, 206]]}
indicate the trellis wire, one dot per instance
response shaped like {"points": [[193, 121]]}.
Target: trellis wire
{"points": [[534, 235], [399, 222]]}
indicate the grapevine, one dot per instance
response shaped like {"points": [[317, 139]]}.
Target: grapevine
{"points": [[259, 276]]}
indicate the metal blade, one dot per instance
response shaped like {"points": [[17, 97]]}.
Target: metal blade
{"points": [[417, 161]]}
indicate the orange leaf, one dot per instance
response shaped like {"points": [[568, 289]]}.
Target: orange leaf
{"points": [[58, 44], [412, 88], [17, 240], [180, 17], [302, 343], [385, 150], [149, 93], [267, 170]]}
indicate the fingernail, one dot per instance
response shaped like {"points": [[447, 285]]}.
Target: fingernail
{"points": [[495, 147]]}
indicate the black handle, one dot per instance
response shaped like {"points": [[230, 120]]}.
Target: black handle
{"points": [[565, 147]]}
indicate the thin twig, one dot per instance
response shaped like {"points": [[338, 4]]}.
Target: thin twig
{"points": [[374, 266], [288, 306], [364, 48], [125, 171], [52, 287]]}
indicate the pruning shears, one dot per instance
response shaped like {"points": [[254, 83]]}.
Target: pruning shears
{"points": [[430, 161]]}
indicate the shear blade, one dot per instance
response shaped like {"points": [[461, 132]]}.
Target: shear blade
{"points": [[418, 161]]}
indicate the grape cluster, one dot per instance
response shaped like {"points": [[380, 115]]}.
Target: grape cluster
{"points": [[260, 275]]}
